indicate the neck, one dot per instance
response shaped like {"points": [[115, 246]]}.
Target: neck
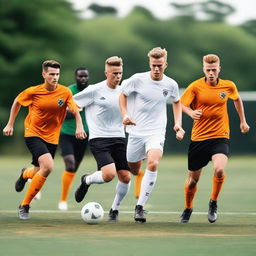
{"points": [[50, 87]]}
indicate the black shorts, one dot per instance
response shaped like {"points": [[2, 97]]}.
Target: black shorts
{"points": [[109, 150], [70, 145], [39, 147], [201, 152]]}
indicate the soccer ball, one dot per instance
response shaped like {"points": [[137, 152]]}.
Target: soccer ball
{"points": [[92, 213]]}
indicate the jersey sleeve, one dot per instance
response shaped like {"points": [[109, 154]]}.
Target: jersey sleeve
{"points": [[72, 107], [233, 92], [25, 97], [175, 95], [188, 96], [85, 97], [128, 86]]}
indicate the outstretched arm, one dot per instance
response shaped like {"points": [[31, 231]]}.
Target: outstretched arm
{"points": [[244, 127], [123, 108], [177, 113], [8, 130]]}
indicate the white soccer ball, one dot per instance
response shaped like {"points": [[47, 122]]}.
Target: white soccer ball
{"points": [[92, 213]]}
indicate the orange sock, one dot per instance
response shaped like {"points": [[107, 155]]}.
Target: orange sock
{"points": [[189, 195], [138, 180], [36, 184], [216, 186], [67, 179], [28, 173]]}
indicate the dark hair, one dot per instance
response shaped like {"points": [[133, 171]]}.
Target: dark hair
{"points": [[50, 63], [80, 68]]}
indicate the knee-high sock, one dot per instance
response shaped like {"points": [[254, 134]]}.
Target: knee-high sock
{"points": [[121, 191], [35, 186], [94, 178], [147, 185], [28, 173], [67, 179], [216, 186], [189, 195], [138, 180]]}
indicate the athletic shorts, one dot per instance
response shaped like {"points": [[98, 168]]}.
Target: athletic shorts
{"points": [[109, 150], [201, 152], [70, 145], [39, 147], [138, 147]]}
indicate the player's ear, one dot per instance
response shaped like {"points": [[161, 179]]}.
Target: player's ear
{"points": [[166, 64], [105, 72]]}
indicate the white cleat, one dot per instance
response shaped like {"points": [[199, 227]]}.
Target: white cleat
{"points": [[63, 206]]}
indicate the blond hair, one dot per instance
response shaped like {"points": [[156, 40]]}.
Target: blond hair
{"points": [[157, 53], [114, 61], [50, 63], [211, 58]]}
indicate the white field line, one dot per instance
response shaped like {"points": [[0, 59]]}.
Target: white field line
{"points": [[131, 212]]}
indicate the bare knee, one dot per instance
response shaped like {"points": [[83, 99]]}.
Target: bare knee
{"points": [[191, 182], [46, 169], [218, 172], [107, 177], [124, 176], [70, 163], [152, 164], [135, 167]]}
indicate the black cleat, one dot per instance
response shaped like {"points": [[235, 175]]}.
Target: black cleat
{"points": [[139, 214], [23, 212], [185, 216], [212, 212], [82, 189], [20, 183], [113, 215]]}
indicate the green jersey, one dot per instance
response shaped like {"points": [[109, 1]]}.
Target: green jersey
{"points": [[69, 125]]}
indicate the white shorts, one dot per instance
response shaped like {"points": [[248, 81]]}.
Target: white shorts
{"points": [[138, 147]]}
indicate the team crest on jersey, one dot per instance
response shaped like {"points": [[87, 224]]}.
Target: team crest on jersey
{"points": [[165, 92], [223, 95], [60, 102]]}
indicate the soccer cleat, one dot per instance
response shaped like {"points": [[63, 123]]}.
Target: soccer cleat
{"points": [[139, 214], [113, 215], [23, 212], [82, 189], [185, 216], [212, 212], [63, 206], [20, 183]]}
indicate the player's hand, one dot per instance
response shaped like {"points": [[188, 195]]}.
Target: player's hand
{"points": [[196, 114], [128, 121], [244, 127], [8, 130], [80, 134], [179, 132]]}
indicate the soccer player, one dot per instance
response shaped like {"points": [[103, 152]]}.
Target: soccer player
{"points": [[205, 101], [106, 134], [47, 104], [72, 149], [143, 106]]}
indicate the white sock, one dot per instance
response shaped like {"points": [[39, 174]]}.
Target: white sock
{"points": [[147, 185], [94, 178], [121, 191]]}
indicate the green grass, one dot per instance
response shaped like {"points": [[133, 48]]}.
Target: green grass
{"points": [[58, 233]]}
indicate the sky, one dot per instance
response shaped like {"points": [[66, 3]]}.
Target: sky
{"points": [[245, 9]]}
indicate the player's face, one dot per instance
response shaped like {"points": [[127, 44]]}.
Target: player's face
{"points": [[82, 78], [51, 76], [114, 75], [211, 72], [157, 67]]}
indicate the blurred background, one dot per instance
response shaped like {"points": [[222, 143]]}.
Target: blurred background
{"points": [[85, 33]]}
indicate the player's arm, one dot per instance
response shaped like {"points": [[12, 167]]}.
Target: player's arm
{"points": [[123, 108], [194, 114], [8, 130], [244, 127], [177, 113], [80, 133]]}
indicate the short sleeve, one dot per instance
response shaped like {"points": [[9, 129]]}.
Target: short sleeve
{"points": [[188, 96], [128, 86], [71, 104], [175, 95], [25, 97], [85, 97], [233, 92]]}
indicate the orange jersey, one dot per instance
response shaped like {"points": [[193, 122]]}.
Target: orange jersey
{"points": [[212, 100], [47, 111]]}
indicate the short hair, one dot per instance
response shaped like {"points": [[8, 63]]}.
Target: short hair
{"points": [[157, 53], [50, 63], [81, 68], [211, 58], [114, 61]]}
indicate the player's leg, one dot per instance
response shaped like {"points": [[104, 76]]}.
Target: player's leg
{"points": [[138, 180]]}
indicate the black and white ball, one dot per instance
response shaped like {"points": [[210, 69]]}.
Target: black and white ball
{"points": [[92, 213]]}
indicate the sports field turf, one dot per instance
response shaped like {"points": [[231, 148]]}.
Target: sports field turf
{"points": [[51, 232]]}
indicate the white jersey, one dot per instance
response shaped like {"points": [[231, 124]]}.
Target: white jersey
{"points": [[146, 103], [102, 111]]}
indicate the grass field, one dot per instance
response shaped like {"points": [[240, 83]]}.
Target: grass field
{"points": [[51, 232]]}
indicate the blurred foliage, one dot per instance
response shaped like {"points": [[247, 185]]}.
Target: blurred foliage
{"points": [[33, 31], [100, 10]]}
